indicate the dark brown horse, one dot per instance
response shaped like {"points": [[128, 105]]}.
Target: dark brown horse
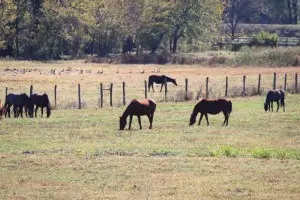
{"points": [[138, 108], [18, 101], [159, 80], [274, 95], [41, 101], [211, 106]]}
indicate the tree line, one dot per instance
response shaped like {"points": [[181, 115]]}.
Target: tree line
{"points": [[50, 29]]}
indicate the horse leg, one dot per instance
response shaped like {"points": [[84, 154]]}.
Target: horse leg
{"points": [[277, 105], [272, 105], [15, 111], [150, 117], [21, 111], [139, 119], [42, 111], [201, 116], [206, 119], [162, 86], [35, 111], [130, 120], [226, 115], [8, 111], [152, 87]]}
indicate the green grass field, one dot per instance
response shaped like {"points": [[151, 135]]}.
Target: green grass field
{"points": [[81, 154]]}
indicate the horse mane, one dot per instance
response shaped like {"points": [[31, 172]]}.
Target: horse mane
{"points": [[167, 77]]}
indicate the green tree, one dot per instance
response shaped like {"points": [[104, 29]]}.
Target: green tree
{"points": [[7, 16], [193, 19]]}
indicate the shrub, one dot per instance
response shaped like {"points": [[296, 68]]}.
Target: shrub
{"points": [[236, 47], [265, 38], [181, 96]]}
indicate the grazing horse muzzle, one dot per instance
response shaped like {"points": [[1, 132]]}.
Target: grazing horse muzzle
{"points": [[122, 123]]}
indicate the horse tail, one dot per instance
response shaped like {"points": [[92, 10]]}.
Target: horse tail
{"points": [[6, 101], [229, 106], [149, 82]]}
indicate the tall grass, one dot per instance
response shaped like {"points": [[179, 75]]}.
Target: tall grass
{"points": [[258, 56]]}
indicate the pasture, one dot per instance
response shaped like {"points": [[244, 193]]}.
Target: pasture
{"points": [[81, 154]]}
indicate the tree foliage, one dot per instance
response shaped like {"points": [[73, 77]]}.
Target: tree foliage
{"points": [[47, 29]]}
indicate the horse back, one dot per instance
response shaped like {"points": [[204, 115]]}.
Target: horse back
{"points": [[274, 95], [141, 107], [214, 106], [40, 100]]}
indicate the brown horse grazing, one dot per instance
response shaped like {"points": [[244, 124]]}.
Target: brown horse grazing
{"points": [[274, 95], [138, 108], [211, 106]]}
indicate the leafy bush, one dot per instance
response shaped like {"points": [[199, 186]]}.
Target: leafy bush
{"points": [[236, 47], [265, 38], [256, 56]]}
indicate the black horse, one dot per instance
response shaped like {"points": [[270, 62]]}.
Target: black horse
{"points": [[18, 101], [41, 101], [159, 80], [274, 95]]}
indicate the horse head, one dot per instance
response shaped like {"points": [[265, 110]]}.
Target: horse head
{"points": [[174, 82], [123, 123], [192, 119], [265, 106], [48, 111]]}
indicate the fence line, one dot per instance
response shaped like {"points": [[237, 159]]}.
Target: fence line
{"points": [[186, 89]]}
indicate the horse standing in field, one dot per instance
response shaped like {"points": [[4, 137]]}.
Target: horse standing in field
{"points": [[138, 108], [41, 101], [159, 80], [274, 95], [18, 101], [211, 106]]}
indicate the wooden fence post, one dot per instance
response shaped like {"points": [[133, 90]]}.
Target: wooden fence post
{"points": [[6, 90], [274, 81], [258, 85], [101, 95], [124, 100], [79, 97], [110, 94], [206, 87], [284, 85], [166, 89], [186, 88], [296, 82], [226, 87], [145, 83], [244, 86], [55, 95], [30, 91]]}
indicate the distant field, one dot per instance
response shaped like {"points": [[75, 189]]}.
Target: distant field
{"points": [[81, 154]]}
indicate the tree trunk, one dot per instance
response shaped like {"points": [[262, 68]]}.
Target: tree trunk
{"points": [[175, 39], [290, 11], [295, 9], [17, 29], [174, 48]]}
